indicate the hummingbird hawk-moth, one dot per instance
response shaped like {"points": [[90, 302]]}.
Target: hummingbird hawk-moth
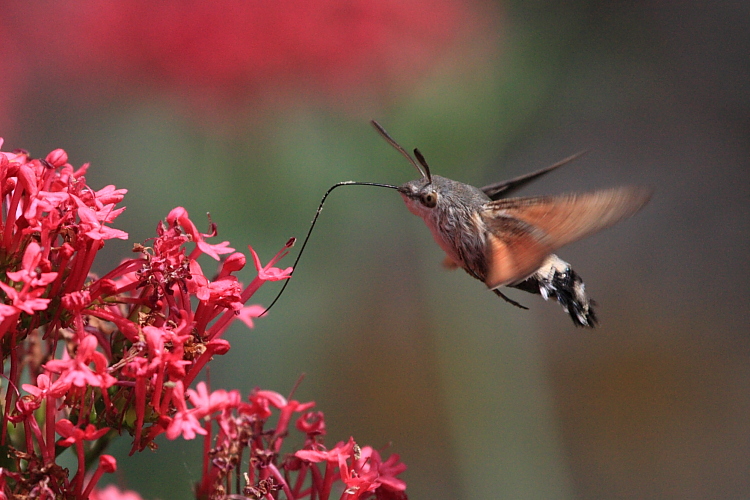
{"points": [[509, 242]]}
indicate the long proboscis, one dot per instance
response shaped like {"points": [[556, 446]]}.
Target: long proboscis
{"points": [[312, 225]]}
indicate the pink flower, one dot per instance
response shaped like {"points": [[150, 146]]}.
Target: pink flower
{"points": [[107, 195], [43, 387], [162, 358], [25, 301], [312, 423], [7, 311], [357, 482], [369, 461], [247, 313], [268, 272], [180, 216], [112, 492], [94, 229], [74, 435], [261, 402], [206, 403], [30, 273], [261, 399], [185, 421], [225, 292], [77, 372], [76, 301], [341, 450], [287, 409]]}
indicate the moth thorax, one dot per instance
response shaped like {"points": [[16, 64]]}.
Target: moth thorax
{"points": [[461, 233]]}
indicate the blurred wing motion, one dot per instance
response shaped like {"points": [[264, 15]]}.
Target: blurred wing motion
{"points": [[524, 231]]}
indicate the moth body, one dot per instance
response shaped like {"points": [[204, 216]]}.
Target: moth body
{"points": [[511, 241]]}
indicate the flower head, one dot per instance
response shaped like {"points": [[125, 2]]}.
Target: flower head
{"points": [[118, 354], [268, 272]]}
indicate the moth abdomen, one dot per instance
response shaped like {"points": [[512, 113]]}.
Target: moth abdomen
{"points": [[557, 280]]}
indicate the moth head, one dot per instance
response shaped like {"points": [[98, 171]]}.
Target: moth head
{"points": [[421, 196]]}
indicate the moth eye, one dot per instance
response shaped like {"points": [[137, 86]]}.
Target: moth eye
{"points": [[429, 199]]}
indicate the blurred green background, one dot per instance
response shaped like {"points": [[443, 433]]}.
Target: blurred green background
{"points": [[251, 110]]}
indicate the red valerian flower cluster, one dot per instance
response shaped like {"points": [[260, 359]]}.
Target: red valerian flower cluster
{"points": [[118, 353], [348, 471]]}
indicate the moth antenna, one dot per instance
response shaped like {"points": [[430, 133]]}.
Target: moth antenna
{"points": [[423, 162], [397, 146], [312, 225]]}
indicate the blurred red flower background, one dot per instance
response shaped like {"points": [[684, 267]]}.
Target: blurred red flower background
{"points": [[229, 54]]}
